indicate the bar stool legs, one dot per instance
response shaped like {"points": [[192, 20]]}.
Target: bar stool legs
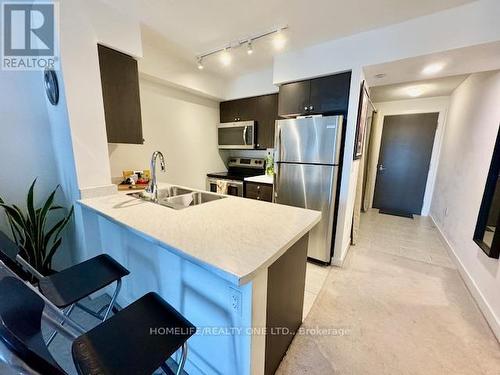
{"points": [[182, 362], [106, 315], [184, 354], [67, 313]]}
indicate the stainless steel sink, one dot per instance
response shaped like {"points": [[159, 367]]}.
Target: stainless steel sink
{"points": [[178, 198]]}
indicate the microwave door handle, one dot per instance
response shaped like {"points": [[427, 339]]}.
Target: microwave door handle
{"points": [[245, 135]]}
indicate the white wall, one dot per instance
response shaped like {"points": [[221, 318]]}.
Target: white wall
{"points": [[350, 169], [26, 149], [471, 130], [404, 107], [79, 118], [181, 125], [253, 84], [163, 61]]}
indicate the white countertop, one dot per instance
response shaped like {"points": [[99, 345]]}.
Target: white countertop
{"points": [[234, 237], [263, 179]]}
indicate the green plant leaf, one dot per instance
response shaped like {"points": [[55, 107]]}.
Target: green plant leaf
{"points": [[30, 203], [14, 214], [53, 230], [48, 259], [42, 217], [56, 231]]}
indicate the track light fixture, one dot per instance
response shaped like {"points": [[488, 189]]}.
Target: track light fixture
{"points": [[279, 42]]}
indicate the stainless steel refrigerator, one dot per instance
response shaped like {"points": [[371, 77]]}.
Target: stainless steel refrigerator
{"points": [[307, 158]]}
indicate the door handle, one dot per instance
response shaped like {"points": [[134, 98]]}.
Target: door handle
{"points": [[381, 168], [245, 135]]}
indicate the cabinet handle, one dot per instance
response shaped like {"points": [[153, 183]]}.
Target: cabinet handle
{"points": [[258, 187], [305, 108], [311, 107], [258, 198]]}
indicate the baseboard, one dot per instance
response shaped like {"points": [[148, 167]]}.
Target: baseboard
{"points": [[481, 302]]}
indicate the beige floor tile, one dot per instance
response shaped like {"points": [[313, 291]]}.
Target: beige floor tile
{"points": [[402, 307]]}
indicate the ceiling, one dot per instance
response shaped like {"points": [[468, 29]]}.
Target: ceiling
{"points": [[425, 89], [479, 58], [197, 27]]}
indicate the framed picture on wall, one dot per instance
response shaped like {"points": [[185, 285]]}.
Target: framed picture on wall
{"points": [[364, 100]]}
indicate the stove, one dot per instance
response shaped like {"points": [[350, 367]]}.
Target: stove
{"points": [[238, 170]]}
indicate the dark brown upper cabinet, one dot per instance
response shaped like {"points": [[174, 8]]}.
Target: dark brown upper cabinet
{"points": [[120, 92], [325, 95], [261, 109], [294, 98]]}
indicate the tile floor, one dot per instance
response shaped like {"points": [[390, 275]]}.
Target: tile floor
{"points": [[398, 306], [315, 278]]}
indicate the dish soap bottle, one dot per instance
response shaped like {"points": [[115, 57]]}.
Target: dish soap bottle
{"points": [[269, 164]]}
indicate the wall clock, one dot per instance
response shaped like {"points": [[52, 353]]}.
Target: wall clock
{"points": [[51, 86]]}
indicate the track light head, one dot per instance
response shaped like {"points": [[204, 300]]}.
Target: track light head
{"points": [[249, 47], [200, 63], [225, 57]]}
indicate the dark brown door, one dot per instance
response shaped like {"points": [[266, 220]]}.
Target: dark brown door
{"points": [[294, 98], [405, 155]]}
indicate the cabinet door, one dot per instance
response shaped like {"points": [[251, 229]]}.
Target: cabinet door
{"points": [[247, 109], [261, 192], [120, 92], [330, 94], [294, 98], [267, 113], [228, 111]]}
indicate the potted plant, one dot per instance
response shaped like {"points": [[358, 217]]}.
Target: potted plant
{"points": [[30, 230]]}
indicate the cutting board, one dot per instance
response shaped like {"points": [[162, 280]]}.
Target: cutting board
{"points": [[132, 187]]}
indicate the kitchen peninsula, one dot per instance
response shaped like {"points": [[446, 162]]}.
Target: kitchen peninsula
{"points": [[232, 266]]}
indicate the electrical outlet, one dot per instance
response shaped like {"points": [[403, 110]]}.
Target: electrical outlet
{"points": [[235, 301]]}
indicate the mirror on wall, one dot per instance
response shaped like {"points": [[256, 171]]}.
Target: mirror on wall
{"points": [[487, 234]]}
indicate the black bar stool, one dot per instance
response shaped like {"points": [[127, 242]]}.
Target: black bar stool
{"points": [[123, 344], [66, 288]]}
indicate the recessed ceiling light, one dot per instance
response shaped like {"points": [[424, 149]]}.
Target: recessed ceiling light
{"points": [[380, 75], [279, 40], [225, 57], [433, 68], [416, 91]]}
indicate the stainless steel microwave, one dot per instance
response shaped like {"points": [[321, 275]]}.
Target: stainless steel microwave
{"points": [[236, 135]]}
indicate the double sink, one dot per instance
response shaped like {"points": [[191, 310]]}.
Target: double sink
{"points": [[177, 197]]}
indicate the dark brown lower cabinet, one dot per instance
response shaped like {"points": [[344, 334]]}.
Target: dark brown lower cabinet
{"points": [[261, 192], [286, 280]]}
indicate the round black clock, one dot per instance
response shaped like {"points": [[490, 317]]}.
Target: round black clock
{"points": [[51, 86]]}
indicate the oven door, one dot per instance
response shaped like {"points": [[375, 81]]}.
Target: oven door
{"points": [[236, 135], [233, 187]]}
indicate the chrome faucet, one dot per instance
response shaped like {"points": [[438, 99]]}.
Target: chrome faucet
{"points": [[153, 186]]}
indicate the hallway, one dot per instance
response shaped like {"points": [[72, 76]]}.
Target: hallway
{"points": [[399, 307]]}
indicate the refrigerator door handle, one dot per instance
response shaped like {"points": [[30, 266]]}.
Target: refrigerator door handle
{"points": [[275, 181]]}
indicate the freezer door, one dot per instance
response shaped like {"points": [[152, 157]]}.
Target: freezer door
{"points": [[312, 140], [313, 187]]}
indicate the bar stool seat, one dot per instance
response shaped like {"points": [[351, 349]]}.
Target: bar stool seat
{"points": [[20, 327], [106, 350], [79, 281]]}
